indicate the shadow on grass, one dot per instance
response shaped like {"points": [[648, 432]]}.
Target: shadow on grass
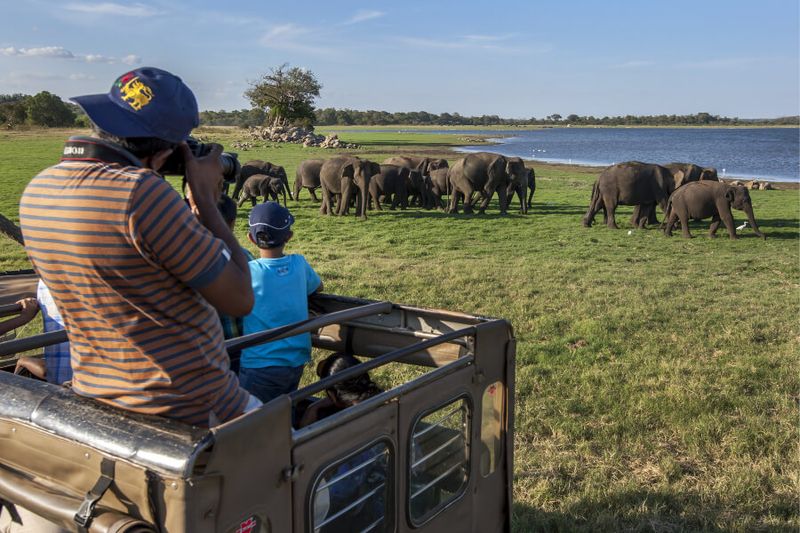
{"points": [[435, 214], [641, 510]]}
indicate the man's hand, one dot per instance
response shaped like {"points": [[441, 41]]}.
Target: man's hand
{"points": [[204, 178], [29, 309]]}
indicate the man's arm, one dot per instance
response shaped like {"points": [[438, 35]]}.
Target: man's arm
{"points": [[231, 291]]}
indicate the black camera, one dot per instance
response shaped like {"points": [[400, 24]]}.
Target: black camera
{"points": [[176, 166]]}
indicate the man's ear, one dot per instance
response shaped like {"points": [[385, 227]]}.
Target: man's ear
{"points": [[250, 236], [157, 161], [289, 238]]}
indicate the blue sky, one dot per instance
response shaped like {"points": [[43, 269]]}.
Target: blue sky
{"points": [[510, 58]]}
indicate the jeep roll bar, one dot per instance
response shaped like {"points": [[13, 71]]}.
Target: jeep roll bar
{"points": [[232, 345]]}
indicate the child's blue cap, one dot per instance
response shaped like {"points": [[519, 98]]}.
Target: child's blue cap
{"points": [[146, 102], [273, 222]]}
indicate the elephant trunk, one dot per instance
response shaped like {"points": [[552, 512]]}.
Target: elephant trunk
{"points": [[363, 199], [748, 209]]}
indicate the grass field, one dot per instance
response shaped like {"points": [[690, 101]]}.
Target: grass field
{"points": [[657, 378]]}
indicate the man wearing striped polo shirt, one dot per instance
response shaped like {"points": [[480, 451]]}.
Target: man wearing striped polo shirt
{"points": [[136, 276]]}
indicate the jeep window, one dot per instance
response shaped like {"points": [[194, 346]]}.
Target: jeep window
{"points": [[354, 494], [491, 427], [439, 465]]}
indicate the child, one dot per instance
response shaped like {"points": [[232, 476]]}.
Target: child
{"points": [[281, 286], [341, 395]]}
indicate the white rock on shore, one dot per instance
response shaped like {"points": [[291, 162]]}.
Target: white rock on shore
{"points": [[297, 135]]}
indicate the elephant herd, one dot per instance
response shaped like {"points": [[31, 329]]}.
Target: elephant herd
{"points": [[400, 181], [684, 191]]}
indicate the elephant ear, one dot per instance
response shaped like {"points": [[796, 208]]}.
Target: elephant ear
{"points": [[730, 194], [679, 176], [348, 171]]}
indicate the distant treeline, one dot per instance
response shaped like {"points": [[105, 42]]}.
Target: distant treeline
{"points": [[347, 117], [40, 109]]}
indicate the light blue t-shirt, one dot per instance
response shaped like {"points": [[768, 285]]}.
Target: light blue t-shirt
{"points": [[281, 288]]}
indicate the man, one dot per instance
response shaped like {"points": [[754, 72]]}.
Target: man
{"points": [[136, 276]]}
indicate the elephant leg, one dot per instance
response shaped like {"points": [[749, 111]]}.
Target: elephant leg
{"points": [[487, 197], [286, 189], [712, 229], [670, 223], [637, 213], [327, 206], [683, 215], [313, 192], [298, 184], [724, 211], [611, 207], [453, 208], [242, 200], [468, 200], [504, 200]]}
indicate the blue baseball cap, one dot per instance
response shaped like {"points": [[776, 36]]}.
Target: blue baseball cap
{"points": [[146, 102], [273, 220]]}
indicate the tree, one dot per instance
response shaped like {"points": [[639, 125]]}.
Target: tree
{"points": [[287, 94], [47, 109]]}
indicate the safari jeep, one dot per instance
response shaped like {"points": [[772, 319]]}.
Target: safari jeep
{"points": [[432, 453]]}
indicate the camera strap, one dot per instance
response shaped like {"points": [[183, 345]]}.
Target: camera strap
{"points": [[96, 150]]}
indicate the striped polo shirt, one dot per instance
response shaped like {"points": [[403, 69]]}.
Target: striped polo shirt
{"points": [[122, 255]]}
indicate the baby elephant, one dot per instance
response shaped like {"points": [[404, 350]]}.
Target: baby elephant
{"points": [[702, 199], [269, 187]]}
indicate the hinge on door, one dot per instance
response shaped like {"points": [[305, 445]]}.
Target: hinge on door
{"points": [[291, 473]]}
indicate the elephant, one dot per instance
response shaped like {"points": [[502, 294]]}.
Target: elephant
{"points": [[629, 183], [307, 175], [485, 173], [415, 188], [258, 166], [262, 185], [524, 190], [682, 173], [340, 175], [688, 172], [435, 185], [703, 199], [390, 183], [424, 164]]}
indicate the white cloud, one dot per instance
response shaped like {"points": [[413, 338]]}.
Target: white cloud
{"points": [[131, 59], [110, 8], [363, 15], [59, 52], [44, 51], [97, 58], [290, 36]]}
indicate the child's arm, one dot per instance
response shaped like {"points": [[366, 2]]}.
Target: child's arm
{"points": [[29, 309]]}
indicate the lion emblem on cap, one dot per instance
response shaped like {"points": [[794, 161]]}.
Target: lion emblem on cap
{"points": [[135, 93]]}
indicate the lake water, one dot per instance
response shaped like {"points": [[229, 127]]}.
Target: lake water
{"points": [[762, 153]]}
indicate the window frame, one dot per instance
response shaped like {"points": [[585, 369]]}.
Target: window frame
{"points": [[392, 478], [457, 498]]}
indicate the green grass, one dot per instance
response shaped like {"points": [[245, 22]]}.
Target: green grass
{"points": [[657, 378]]}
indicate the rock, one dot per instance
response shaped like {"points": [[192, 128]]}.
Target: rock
{"points": [[752, 184], [765, 186], [735, 183], [297, 135]]}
